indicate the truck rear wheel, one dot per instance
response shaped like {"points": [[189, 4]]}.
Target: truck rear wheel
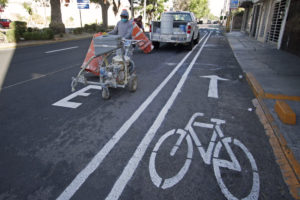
{"points": [[196, 41], [190, 45], [156, 45]]}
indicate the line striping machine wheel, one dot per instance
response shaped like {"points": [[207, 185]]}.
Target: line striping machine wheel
{"points": [[105, 93], [132, 83]]}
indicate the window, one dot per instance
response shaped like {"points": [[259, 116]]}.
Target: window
{"points": [[181, 16]]}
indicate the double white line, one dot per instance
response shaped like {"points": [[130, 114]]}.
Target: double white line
{"points": [[141, 149]]}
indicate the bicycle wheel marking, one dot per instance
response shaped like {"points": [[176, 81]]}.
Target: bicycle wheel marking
{"points": [[169, 182], [217, 163], [209, 156]]}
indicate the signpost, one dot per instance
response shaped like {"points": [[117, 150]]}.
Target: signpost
{"points": [[82, 4]]}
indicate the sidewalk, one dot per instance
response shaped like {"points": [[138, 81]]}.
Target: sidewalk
{"points": [[67, 37], [274, 75]]}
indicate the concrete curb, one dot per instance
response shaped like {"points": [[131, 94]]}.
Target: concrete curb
{"points": [[289, 166], [15, 46]]}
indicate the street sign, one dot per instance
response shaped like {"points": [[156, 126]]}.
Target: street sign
{"points": [[83, 4], [234, 4]]}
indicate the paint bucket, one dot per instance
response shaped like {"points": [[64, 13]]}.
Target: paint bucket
{"points": [[166, 24], [182, 28]]}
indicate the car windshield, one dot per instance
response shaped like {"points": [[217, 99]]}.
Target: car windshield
{"points": [[181, 16]]}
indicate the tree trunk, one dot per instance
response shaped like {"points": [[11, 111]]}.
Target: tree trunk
{"points": [[132, 9], [104, 8], [56, 23]]}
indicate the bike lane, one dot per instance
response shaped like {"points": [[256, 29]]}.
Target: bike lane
{"points": [[52, 144], [216, 89]]}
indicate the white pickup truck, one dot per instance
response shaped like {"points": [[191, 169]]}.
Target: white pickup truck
{"points": [[175, 27]]}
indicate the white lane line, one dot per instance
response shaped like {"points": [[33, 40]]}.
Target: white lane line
{"points": [[61, 49], [99, 157], [141, 149], [42, 76]]}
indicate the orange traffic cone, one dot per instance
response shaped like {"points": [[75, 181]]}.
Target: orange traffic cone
{"points": [[93, 67], [137, 34]]}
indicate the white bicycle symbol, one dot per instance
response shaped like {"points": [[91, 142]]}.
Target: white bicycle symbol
{"points": [[208, 156]]}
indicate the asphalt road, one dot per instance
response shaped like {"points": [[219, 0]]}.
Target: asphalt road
{"points": [[120, 148]]}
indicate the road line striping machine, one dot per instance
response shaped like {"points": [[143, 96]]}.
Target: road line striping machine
{"points": [[120, 72]]}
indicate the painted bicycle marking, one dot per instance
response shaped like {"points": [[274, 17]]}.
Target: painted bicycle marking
{"points": [[209, 156]]}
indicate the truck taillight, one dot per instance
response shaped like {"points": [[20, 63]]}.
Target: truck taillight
{"points": [[189, 29], [150, 28]]}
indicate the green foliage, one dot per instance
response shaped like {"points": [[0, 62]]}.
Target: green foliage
{"points": [[199, 8], [3, 3], [238, 12], [29, 29], [49, 32], [212, 17], [19, 27], [28, 8], [77, 31], [44, 34], [154, 8], [12, 35], [90, 27], [94, 28], [57, 27]]}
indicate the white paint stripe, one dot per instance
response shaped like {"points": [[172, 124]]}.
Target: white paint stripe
{"points": [[139, 33], [42, 76], [141, 149], [61, 49], [99, 157]]}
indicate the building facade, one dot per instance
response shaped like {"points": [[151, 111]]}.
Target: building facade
{"points": [[273, 21]]}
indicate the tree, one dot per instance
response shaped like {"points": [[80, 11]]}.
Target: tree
{"points": [[198, 7], [56, 23], [28, 8], [181, 5], [3, 3], [105, 4], [153, 8]]}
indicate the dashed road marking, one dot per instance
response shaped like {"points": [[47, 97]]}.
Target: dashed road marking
{"points": [[61, 49]]}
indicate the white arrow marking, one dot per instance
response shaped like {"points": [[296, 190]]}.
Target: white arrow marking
{"points": [[65, 102], [213, 85]]}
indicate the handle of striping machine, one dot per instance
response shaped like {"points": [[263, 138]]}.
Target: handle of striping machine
{"points": [[131, 41]]}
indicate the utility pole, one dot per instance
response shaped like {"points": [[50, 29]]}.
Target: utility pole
{"points": [[144, 17], [80, 18]]}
